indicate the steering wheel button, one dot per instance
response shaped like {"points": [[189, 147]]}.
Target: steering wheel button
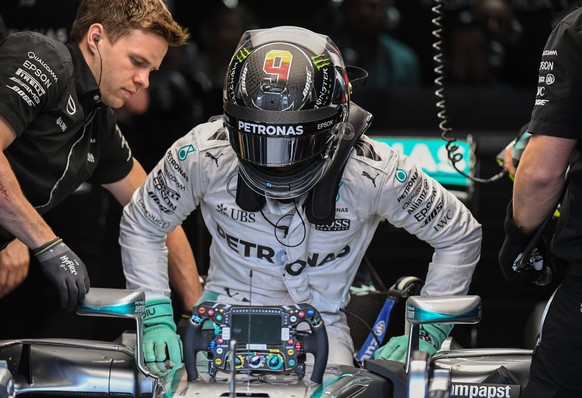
{"points": [[301, 314], [211, 312], [285, 334]]}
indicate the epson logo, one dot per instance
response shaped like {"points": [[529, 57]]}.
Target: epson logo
{"points": [[254, 128]]}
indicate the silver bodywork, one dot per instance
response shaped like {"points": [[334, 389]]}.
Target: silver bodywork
{"points": [[339, 381], [71, 365], [57, 367]]}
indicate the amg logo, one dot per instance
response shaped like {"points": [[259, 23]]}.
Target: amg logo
{"points": [[470, 390], [339, 224]]}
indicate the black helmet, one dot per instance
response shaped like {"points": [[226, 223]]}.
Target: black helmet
{"points": [[286, 99]]}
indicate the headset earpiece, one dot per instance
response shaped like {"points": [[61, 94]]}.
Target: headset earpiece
{"points": [[96, 38]]}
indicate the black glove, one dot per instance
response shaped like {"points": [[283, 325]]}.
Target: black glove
{"points": [[532, 272], [65, 270]]}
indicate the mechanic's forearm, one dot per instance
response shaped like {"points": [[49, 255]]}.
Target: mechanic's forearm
{"points": [[539, 180], [182, 269], [534, 200], [17, 215]]}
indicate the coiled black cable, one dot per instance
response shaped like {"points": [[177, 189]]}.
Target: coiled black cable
{"points": [[452, 148]]}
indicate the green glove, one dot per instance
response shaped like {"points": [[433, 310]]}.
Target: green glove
{"points": [[431, 338], [162, 347]]}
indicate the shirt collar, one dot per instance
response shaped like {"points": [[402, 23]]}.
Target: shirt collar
{"points": [[86, 86]]}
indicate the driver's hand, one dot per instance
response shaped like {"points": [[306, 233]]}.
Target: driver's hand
{"points": [[396, 348], [432, 336], [162, 347], [14, 263]]}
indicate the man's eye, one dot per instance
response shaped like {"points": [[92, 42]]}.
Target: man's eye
{"points": [[137, 62]]}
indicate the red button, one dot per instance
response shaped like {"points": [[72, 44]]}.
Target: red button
{"points": [[202, 310], [301, 314], [211, 312], [290, 342], [220, 340]]}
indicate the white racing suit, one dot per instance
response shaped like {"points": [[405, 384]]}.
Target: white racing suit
{"points": [[293, 261]]}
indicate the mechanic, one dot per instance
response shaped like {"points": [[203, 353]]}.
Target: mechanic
{"points": [[292, 191], [550, 173], [58, 130]]}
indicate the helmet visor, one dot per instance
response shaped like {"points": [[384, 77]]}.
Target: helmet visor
{"points": [[280, 142], [278, 151]]}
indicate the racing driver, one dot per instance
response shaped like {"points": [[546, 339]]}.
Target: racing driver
{"points": [[292, 190]]}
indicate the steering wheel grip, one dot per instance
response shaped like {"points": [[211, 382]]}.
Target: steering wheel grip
{"points": [[317, 344], [193, 341]]}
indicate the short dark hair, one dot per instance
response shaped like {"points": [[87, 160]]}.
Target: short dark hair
{"points": [[119, 17]]}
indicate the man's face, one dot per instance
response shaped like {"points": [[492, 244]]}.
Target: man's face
{"points": [[127, 64]]}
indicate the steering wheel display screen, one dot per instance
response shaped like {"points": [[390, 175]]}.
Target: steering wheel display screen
{"points": [[256, 329]]}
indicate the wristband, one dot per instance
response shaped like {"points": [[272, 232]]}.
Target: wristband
{"points": [[47, 246]]}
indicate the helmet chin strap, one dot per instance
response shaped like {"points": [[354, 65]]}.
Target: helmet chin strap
{"points": [[320, 204]]}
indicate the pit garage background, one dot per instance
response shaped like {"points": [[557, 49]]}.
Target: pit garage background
{"points": [[486, 116]]}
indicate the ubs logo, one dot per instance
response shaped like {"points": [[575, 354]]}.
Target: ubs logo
{"points": [[236, 214]]}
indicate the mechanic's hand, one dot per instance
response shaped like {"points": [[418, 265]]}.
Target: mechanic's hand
{"points": [[535, 272], [431, 338], [162, 347], [14, 263], [508, 164], [65, 270], [518, 148]]}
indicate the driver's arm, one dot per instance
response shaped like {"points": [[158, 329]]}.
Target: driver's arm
{"points": [[182, 269]]}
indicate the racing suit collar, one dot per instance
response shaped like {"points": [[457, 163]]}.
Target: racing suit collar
{"points": [[280, 208]]}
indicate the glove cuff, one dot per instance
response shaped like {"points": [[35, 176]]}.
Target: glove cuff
{"points": [[159, 312], [512, 231], [47, 246], [435, 334]]}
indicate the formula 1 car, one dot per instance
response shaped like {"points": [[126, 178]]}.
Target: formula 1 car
{"points": [[257, 351]]}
